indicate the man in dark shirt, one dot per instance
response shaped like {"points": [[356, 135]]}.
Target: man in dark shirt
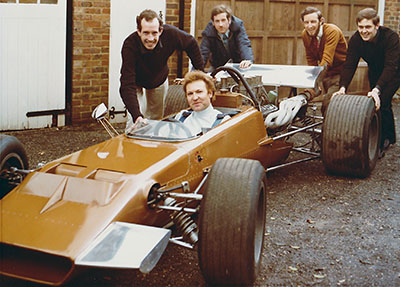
{"points": [[144, 64], [225, 39], [379, 47]]}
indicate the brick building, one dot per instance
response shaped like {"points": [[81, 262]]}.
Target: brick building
{"points": [[392, 15]]}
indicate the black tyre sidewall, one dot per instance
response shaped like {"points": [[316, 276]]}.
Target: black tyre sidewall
{"points": [[346, 136], [10, 144], [372, 118], [227, 222], [11, 149]]}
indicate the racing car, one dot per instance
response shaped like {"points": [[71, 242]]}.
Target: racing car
{"points": [[119, 203]]}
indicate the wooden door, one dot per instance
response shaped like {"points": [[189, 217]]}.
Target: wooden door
{"points": [[32, 61]]}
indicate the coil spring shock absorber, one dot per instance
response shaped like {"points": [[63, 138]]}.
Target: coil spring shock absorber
{"points": [[183, 222]]}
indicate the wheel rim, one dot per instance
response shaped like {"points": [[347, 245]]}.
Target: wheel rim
{"points": [[11, 160], [373, 137], [259, 226]]}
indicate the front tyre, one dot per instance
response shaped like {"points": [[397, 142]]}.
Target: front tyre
{"points": [[12, 154], [350, 136], [232, 222]]}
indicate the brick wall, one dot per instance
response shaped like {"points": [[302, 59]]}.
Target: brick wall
{"points": [[172, 18], [392, 15], [91, 33]]}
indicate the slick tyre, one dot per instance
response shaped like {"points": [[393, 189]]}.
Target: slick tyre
{"points": [[232, 222], [175, 100], [12, 154], [350, 136]]}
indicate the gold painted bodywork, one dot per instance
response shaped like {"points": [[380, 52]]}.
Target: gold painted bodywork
{"points": [[57, 211]]}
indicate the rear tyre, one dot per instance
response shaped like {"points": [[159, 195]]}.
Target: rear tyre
{"points": [[350, 136], [12, 154], [232, 222], [175, 100]]}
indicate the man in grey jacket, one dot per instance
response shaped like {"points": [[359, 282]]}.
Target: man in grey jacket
{"points": [[225, 39]]}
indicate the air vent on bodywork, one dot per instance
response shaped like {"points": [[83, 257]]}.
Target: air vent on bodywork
{"points": [[106, 175], [33, 265], [67, 182], [66, 169]]}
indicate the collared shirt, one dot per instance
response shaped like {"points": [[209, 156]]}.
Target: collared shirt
{"points": [[224, 37], [320, 33], [226, 34]]}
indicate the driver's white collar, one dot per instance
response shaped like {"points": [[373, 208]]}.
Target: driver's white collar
{"points": [[204, 112]]}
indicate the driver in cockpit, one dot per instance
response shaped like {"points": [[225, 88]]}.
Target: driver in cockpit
{"points": [[199, 89]]}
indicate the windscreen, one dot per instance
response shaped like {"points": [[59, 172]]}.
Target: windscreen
{"points": [[165, 130]]}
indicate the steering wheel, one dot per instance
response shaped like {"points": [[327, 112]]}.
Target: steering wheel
{"points": [[238, 77], [176, 127]]}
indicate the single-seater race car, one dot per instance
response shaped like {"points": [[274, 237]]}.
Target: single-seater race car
{"points": [[119, 203]]}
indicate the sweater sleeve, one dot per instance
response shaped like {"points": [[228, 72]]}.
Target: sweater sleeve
{"points": [[351, 63], [246, 52], [392, 54], [128, 79], [332, 40], [205, 46]]}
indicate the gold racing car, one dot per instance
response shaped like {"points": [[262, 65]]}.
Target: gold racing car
{"points": [[119, 203]]}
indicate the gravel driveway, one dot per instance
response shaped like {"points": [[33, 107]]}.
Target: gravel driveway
{"points": [[322, 230]]}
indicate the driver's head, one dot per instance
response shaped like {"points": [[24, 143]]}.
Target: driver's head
{"points": [[199, 89]]}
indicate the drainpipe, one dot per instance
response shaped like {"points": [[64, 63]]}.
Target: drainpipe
{"points": [[68, 69], [381, 11], [181, 26]]}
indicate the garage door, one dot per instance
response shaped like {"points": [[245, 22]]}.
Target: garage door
{"points": [[32, 61]]}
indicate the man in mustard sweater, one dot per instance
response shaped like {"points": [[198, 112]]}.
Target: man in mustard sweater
{"points": [[325, 46]]}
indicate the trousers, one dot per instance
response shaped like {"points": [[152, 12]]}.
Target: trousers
{"points": [[151, 101]]}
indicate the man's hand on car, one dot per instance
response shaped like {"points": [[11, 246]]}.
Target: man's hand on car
{"points": [[375, 95], [140, 122], [341, 91], [178, 81], [245, 64]]}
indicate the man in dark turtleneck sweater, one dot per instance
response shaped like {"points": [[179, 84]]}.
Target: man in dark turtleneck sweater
{"points": [[379, 47], [144, 64]]}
